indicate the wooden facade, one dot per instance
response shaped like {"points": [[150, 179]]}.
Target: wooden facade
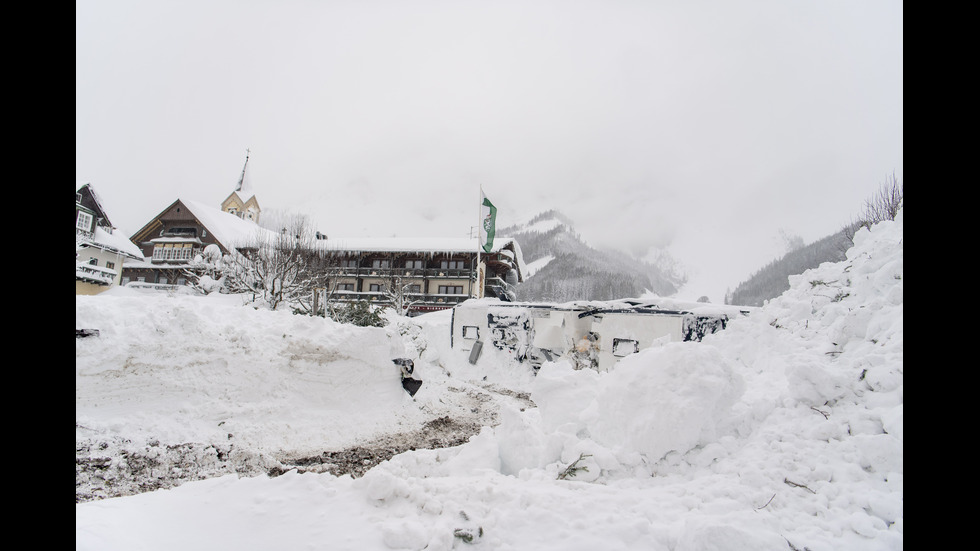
{"points": [[169, 242], [420, 276]]}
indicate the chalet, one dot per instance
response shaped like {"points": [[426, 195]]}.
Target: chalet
{"points": [[173, 238], [415, 275], [412, 275], [420, 275], [99, 249]]}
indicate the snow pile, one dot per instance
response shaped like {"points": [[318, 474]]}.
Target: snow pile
{"points": [[198, 369], [785, 431]]}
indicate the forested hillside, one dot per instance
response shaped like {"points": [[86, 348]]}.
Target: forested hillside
{"points": [[773, 279], [569, 269]]}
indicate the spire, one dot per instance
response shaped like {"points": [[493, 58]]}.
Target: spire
{"points": [[241, 180]]}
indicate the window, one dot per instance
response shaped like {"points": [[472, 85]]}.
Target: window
{"points": [[345, 286], [625, 347], [348, 263], [450, 289], [181, 231], [93, 261], [415, 264], [375, 288], [84, 221], [173, 251], [110, 265], [414, 289], [452, 265], [379, 263]]}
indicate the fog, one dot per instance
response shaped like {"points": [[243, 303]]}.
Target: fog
{"points": [[711, 130]]}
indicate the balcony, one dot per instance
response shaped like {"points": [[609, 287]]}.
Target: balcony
{"points": [[421, 299], [83, 235], [94, 274], [420, 273]]}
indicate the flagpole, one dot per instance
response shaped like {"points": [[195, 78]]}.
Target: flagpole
{"points": [[479, 221]]}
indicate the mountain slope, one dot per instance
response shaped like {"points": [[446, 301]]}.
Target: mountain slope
{"points": [[565, 268], [773, 279]]}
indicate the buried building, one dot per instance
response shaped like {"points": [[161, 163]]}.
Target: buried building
{"points": [[592, 335]]}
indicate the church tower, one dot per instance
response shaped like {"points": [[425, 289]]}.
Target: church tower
{"points": [[242, 202]]}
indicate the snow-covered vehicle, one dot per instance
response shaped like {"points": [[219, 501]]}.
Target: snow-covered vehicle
{"points": [[591, 334]]}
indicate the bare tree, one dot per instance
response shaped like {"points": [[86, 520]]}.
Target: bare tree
{"points": [[398, 295], [885, 204], [282, 267]]}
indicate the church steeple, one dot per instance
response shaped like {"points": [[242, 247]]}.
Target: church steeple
{"points": [[241, 179], [242, 202]]}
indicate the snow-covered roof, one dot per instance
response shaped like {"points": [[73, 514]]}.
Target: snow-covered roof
{"points": [[228, 229], [114, 241]]}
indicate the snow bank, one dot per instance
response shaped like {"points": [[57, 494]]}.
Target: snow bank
{"points": [[206, 369], [783, 431]]}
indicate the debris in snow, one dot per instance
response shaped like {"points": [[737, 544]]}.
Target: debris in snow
{"points": [[785, 430]]}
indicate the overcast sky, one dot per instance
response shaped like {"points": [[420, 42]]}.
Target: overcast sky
{"points": [[707, 128]]}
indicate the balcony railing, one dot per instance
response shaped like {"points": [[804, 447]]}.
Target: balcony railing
{"points": [[94, 274], [427, 299], [426, 273]]}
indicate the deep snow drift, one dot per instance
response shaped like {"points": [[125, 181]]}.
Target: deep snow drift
{"points": [[784, 431]]}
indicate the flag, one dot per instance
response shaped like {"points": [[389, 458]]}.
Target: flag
{"points": [[488, 218]]}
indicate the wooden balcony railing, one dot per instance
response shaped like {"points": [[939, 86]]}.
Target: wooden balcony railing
{"points": [[421, 273]]}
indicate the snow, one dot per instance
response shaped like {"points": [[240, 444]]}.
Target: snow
{"points": [[228, 229], [542, 226], [536, 265], [784, 431], [115, 241]]}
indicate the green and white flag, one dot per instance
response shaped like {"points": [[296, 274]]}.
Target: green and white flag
{"points": [[488, 218]]}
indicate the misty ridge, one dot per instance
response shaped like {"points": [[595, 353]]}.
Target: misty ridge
{"points": [[566, 268], [772, 280], [577, 271]]}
